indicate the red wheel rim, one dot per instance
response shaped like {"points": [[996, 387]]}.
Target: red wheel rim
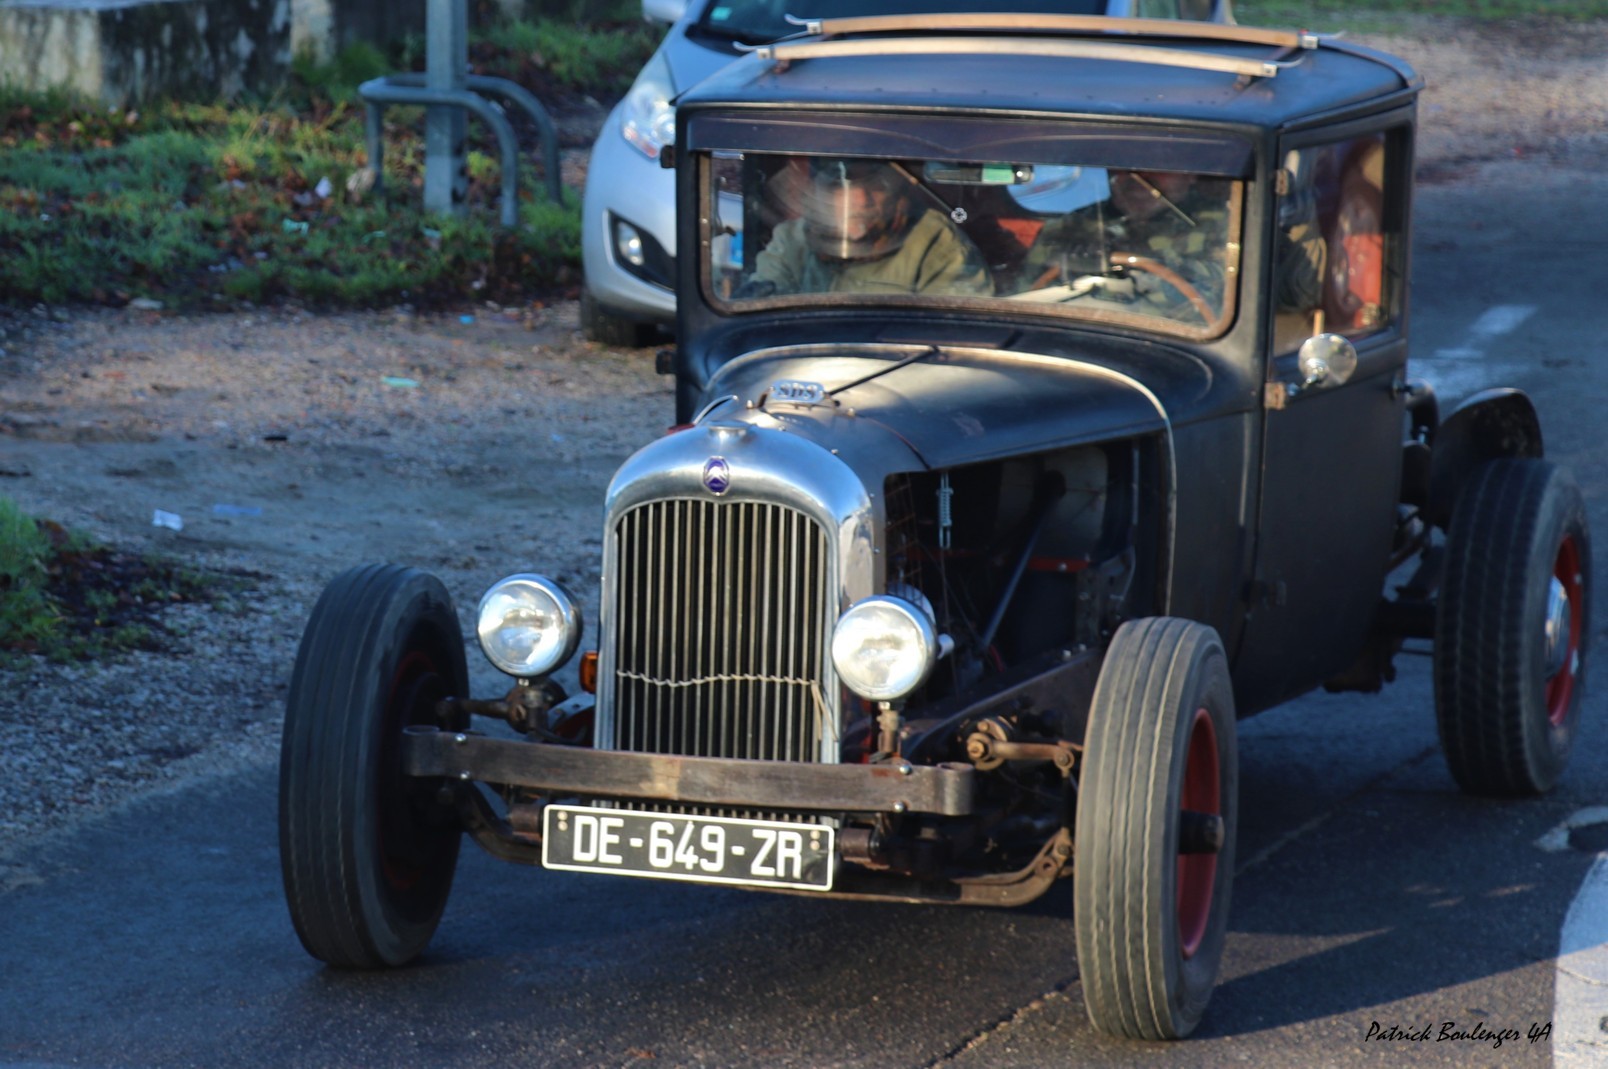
{"points": [[1197, 873], [1560, 688]]}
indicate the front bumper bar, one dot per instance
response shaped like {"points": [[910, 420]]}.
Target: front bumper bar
{"points": [[896, 787]]}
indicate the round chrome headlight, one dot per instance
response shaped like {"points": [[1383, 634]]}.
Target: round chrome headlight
{"points": [[528, 625], [883, 647]]}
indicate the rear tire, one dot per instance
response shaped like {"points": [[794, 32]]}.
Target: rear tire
{"points": [[367, 854], [1151, 922], [1509, 658]]}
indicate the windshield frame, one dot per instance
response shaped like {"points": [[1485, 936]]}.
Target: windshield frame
{"points": [[1202, 152]]}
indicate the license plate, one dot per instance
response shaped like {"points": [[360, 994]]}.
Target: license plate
{"points": [[753, 853]]}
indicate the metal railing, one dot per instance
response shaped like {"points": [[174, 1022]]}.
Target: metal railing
{"points": [[450, 93]]}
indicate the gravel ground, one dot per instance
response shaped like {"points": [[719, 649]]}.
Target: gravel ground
{"points": [[494, 460]]}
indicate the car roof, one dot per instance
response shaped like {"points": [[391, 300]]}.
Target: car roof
{"points": [[1117, 73]]}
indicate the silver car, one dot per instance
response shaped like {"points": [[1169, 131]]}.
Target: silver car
{"points": [[628, 242]]}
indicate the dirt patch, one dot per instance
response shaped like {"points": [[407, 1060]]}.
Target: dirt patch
{"points": [[299, 444], [471, 445], [1507, 91], [293, 447]]}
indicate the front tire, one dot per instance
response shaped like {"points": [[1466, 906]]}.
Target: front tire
{"points": [[1159, 766], [366, 853], [1512, 628]]}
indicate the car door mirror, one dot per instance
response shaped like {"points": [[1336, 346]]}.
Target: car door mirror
{"points": [[1327, 359], [665, 11]]}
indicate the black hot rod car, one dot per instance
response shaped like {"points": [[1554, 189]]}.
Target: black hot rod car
{"points": [[1043, 408]]}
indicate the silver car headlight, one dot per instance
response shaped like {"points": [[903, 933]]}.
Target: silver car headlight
{"points": [[647, 118], [528, 625], [883, 647]]}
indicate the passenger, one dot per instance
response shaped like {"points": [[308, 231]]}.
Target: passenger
{"points": [[1300, 252], [859, 229], [1356, 277], [1171, 219]]}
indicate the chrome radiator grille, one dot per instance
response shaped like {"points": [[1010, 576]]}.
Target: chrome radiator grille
{"points": [[719, 630]]}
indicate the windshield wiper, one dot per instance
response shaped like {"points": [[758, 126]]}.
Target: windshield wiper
{"points": [[931, 350], [734, 34]]}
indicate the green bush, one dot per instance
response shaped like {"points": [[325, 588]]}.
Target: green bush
{"points": [[194, 204], [339, 79], [28, 618], [578, 56], [585, 11]]}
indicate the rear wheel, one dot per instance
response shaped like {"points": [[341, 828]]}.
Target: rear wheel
{"points": [[1154, 858], [1512, 628], [367, 854]]}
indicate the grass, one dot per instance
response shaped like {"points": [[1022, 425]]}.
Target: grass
{"points": [[198, 205], [575, 54], [1374, 15], [65, 598], [27, 614]]}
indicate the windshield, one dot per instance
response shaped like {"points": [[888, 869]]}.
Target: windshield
{"points": [[763, 20], [1154, 248]]}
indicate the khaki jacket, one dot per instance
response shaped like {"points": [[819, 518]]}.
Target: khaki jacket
{"points": [[935, 258]]}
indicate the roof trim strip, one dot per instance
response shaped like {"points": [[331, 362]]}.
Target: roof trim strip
{"points": [[1021, 46], [1062, 24]]}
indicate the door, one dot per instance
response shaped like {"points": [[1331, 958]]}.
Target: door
{"points": [[1331, 462]]}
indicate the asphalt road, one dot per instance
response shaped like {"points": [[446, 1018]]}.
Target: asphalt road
{"points": [[1370, 892]]}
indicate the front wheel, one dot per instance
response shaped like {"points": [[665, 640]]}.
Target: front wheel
{"points": [[1512, 628], [367, 854], [1154, 857]]}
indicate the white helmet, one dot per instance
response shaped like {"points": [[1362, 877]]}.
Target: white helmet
{"points": [[855, 209]]}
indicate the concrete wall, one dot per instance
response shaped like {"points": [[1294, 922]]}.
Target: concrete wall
{"points": [[121, 51]]}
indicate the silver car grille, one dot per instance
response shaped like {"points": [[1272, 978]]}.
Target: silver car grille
{"points": [[720, 630]]}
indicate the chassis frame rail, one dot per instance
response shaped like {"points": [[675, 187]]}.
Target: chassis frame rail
{"points": [[897, 787]]}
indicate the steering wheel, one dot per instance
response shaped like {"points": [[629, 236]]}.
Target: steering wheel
{"points": [[1155, 267]]}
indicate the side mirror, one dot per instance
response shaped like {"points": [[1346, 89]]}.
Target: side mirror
{"points": [[1326, 358], [665, 11]]}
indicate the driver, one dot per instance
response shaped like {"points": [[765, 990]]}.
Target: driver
{"points": [[859, 229], [1164, 217]]}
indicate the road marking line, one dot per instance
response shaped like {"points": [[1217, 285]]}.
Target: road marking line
{"points": [[1495, 322], [1502, 319], [1580, 991], [1450, 370], [1557, 840]]}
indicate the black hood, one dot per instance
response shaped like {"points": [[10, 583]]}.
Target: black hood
{"points": [[961, 406]]}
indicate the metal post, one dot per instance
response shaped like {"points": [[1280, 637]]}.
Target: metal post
{"points": [[450, 94], [446, 169], [374, 134]]}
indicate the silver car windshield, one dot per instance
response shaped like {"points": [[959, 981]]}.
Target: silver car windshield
{"points": [[1155, 248]]}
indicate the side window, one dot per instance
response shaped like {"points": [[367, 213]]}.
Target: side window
{"points": [[1336, 236], [1156, 9]]}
